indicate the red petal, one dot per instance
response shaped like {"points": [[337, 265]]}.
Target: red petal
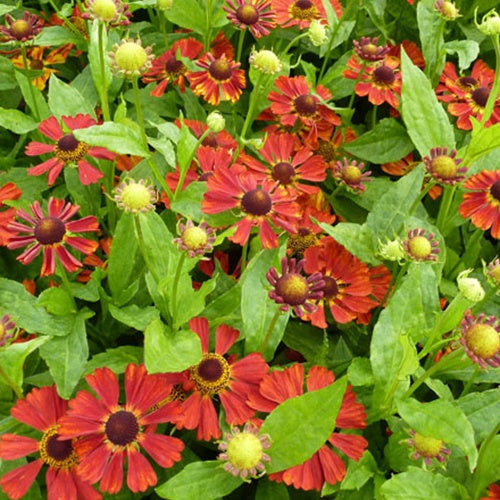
{"points": [[140, 473], [18, 481]]}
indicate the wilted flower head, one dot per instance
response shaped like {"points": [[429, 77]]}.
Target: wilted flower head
{"points": [[265, 61], [351, 174], [444, 167], [130, 58], [113, 12], [427, 447], [7, 329], [243, 452], [368, 49], [421, 246], [21, 30], [481, 339], [135, 196], [470, 287], [196, 240], [446, 10]]}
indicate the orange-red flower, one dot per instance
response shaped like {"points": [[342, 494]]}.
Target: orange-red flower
{"points": [[8, 191], [325, 465], [253, 14], [221, 78], [109, 431], [301, 12], [50, 234], [215, 376], [66, 149], [42, 409], [167, 68], [259, 204], [482, 202], [348, 289]]}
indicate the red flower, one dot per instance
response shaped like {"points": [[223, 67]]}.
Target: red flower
{"points": [[167, 68], [67, 149], [482, 204], [260, 203], [221, 78], [231, 381], [222, 139], [8, 191], [288, 163], [41, 409], [109, 431], [301, 12], [347, 290], [51, 233], [325, 465], [253, 14], [21, 30], [493, 492]]}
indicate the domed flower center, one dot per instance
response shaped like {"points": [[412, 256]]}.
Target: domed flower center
{"points": [[247, 14], [131, 57], [212, 374], [495, 190], [20, 29], [244, 451], [194, 238], [283, 172], [305, 105], [220, 70], [370, 49], [420, 247], [444, 167], [174, 67], [303, 10], [57, 454], [105, 10], [136, 196], [69, 149], [35, 64], [326, 150], [298, 243], [293, 287], [467, 82], [121, 428], [49, 230], [427, 446], [483, 340], [351, 174], [384, 75], [210, 140], [480, 96], [256, 202], [331, 288]]}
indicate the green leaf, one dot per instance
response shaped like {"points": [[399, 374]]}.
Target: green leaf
{"points": [[115, 359], [441, 420], [387, 141], [295, 430], [12, 359], [188, 201], [33, 97], [134, 316], [208, 477], [188, 14], [358, 473], [168, 351], [467, 51], [418, 484], [16, 121], [360, 372], [64, 100], [94, 54], [483, 142], [116, 137], [58, 35], [57, 301], [488, 470], [5, 9], [269, 489], [67, 356], [185, 148], [425, 118]]}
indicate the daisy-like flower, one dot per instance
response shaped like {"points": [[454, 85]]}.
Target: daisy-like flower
{"points": [[288, 163], [111, 12], [110, 431], [222, 139], [135, 196], [243, 452], [42, 409], [301, 12], [351, 174], [195, 240], [421, 246], [221, 78], [232, 382], [482, 201], [167, 68], [8, 191], [259, 204], [348, 289], [481, 339], [427, 447], [381, 81], [331, 148], [255, 15], [325, 465], [21, 30], [368, 50], [66, 149], [444, 167], [7, 330], [297, 105], [51, 234], [292, 289], [130, 58]]}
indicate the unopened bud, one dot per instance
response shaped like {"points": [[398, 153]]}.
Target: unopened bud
{"points": [[470, 287], [216, 122]]}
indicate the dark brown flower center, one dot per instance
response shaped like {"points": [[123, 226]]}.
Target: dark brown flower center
{"points": [[495, 190], [305, 105], [256, 202], [247, 14], [174, 67], [67, 143], [480, 96], [57, 454], [69, 149], [293, 287], [210, 140], [467, 82], [49, 230], [384, 75], [220, 70], [326, 150], [331, 288], [58, 450], [212, 374], [35, 64], [121, 428], [283, 172]]}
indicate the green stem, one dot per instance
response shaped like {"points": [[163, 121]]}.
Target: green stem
{"points": [[18, 392], [469, 383], [108, 182], [102, 66], [292, 43], [490, 104], [326, 58], [358, 79], [142, 246], [244, 255], [241, 38], [65, 20], [208, 23], [251, 109], [61, 271], [175, 287], [421, 196], [269, 332], [479, 475], [374, 116], [444, 208], [138, 110], [32, 92]]}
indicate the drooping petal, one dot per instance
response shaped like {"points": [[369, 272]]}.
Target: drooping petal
{"points": [[112, 478], [140, 474], [18, 481]]}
